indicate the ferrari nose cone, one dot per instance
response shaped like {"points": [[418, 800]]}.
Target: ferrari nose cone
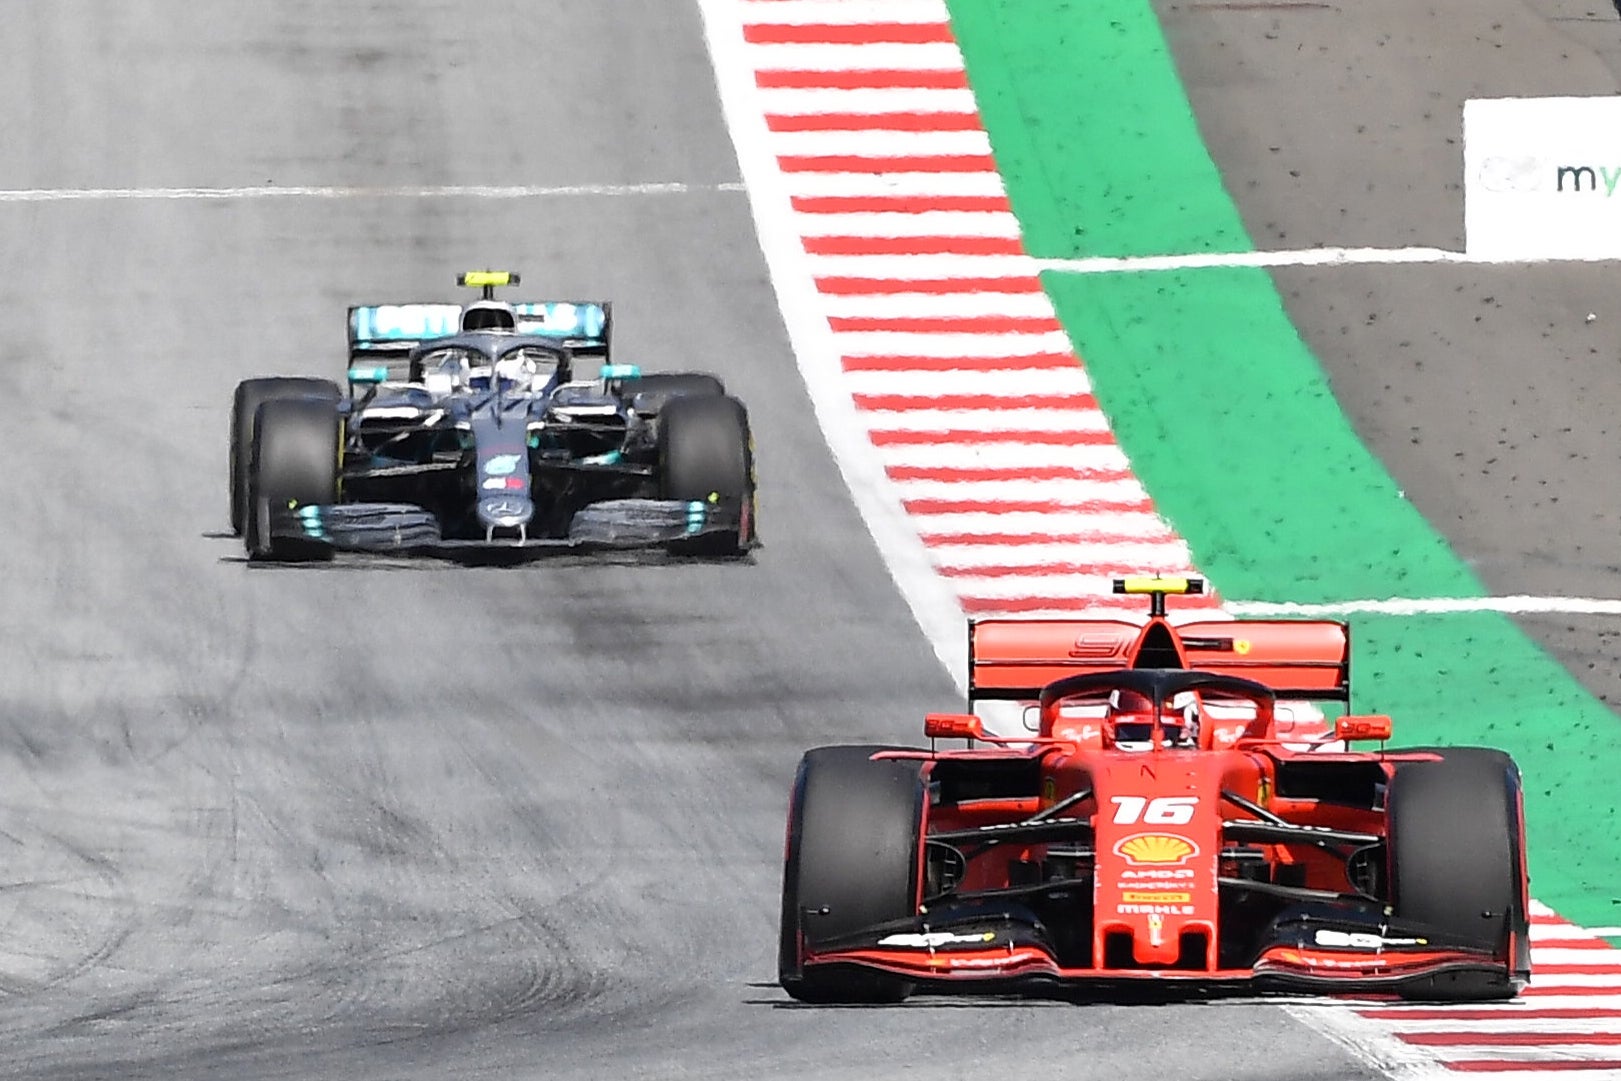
{"points": [[506, 511]]}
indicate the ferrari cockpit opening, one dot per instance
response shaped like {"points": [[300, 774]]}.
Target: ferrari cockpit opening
{"points": [[1130, 721], [1139, 709]]}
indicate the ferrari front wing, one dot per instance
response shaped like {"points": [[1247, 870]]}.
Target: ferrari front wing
{"points": [[1300, 953]]}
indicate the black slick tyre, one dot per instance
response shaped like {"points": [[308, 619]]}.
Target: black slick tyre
{"points": [[250, 394], [1457, 862], [652, 392], [293, 460], [706, 454], [851, 861]]}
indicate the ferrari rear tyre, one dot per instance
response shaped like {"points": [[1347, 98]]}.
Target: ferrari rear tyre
{"points": [[706, 454], [293, 461], [250, 394], [854, 828], [1457, 861]]}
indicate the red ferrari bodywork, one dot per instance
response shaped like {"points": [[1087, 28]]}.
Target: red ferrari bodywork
{"points": [[1238, 855]]}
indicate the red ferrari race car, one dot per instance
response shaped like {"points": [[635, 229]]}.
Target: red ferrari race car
{"points": [[1155, 829]]}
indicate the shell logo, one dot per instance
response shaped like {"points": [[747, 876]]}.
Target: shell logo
{"points": [[1242, 647], [1159, 849]]}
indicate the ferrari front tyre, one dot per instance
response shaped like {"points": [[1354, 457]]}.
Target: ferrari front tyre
{"points": [[250, 394], [1457, 861], [705, 454], [293, 461], [851, 862]]}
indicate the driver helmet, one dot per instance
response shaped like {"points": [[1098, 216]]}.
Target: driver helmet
{"points": [[518, 369], [1130, 720]]}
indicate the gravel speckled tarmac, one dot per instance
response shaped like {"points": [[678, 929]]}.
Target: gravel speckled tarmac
{"points": [[399, 821], [1484, 389]]}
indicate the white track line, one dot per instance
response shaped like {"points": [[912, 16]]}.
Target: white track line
{"points": [[328, 192], [1421, 606], [1297, 258], [293, 191]]}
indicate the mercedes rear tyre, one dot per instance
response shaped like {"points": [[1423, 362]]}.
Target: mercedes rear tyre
{"points": [[293, 461], [250, 394], [706, 454], [854, 831], [1457, 862]]}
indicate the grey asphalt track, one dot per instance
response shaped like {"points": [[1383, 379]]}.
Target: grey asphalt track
{"points": [[1486, 392], [398, 821]]}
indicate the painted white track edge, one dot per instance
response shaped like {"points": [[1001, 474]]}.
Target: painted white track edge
{"points": [[1517, 604], [1301, 257]]}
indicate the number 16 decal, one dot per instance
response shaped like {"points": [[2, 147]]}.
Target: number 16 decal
{"points": [[1159, 811]]}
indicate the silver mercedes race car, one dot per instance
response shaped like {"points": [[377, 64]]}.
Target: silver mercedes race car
{"points": [[468, 432]]}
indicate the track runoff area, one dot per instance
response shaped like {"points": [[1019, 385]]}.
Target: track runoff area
{"points": [[965, 425]]}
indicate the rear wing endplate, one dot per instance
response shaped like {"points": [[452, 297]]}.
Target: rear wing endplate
{"points": [[1012, 660]]}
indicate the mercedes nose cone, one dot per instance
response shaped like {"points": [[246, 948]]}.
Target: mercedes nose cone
{"points": [[505, 511]]}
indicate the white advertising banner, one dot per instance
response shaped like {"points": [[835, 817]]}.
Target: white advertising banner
{"points": [[1542, 178]]}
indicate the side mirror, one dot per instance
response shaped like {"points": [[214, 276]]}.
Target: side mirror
{"points": [[1363, 726], [953, 726], [611, 372]]}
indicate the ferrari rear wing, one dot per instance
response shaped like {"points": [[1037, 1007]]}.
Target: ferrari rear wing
{"points": [[379, 332], [1012, 660]]}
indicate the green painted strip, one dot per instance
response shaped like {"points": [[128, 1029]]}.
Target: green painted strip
{"points": [[1091, 129], [1230, 422]]}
